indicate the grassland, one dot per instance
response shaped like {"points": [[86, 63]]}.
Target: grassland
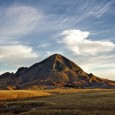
{"points": [[21, 94], [58, 102]]}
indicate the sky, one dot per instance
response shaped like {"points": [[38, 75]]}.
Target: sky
{"points": [[81, 30]]}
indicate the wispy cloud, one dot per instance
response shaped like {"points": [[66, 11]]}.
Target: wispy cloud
{"points": [[43, 45], [102, 9], [17, 21]]}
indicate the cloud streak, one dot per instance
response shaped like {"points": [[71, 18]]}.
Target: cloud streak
{"points": [[17, 21]]}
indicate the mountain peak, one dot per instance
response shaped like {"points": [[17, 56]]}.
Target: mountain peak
{"points": [[55, 70], [61, 63], [55, 57]]}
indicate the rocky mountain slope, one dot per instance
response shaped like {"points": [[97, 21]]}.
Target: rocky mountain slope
{"points": [[54, 71]]}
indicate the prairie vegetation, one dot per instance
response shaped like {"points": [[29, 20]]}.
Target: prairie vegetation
{"points": [[60, 102], [21, 94]]}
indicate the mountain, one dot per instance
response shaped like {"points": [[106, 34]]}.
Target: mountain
{"points": [[54, 71]]}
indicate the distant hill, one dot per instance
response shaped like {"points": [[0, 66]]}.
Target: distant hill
{"points": [[54, 71]]}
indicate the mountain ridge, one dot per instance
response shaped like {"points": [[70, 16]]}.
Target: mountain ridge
{"points": [[54, 71]]}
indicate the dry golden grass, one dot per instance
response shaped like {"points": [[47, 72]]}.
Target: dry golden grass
{"points": [[21, 94], [71, 90], [62, 102]]}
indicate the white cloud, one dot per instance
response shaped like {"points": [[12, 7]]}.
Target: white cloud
{"points": [[17, 20], [17, 54], [76, 41]]}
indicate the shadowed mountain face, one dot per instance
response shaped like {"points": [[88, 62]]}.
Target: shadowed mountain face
{"points": [[56, 71]]}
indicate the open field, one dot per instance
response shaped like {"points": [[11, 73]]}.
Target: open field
{"points": [[58, 102], [24, 94], [21, 94]]}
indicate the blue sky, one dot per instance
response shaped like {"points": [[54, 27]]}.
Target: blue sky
{"points": [[82, 30]]}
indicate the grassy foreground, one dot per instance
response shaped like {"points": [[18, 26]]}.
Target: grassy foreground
{"points": [[58, 102], [21, 94]]}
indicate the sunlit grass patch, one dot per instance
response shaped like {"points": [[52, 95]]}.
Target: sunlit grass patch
{"points": [[20, 94]]}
